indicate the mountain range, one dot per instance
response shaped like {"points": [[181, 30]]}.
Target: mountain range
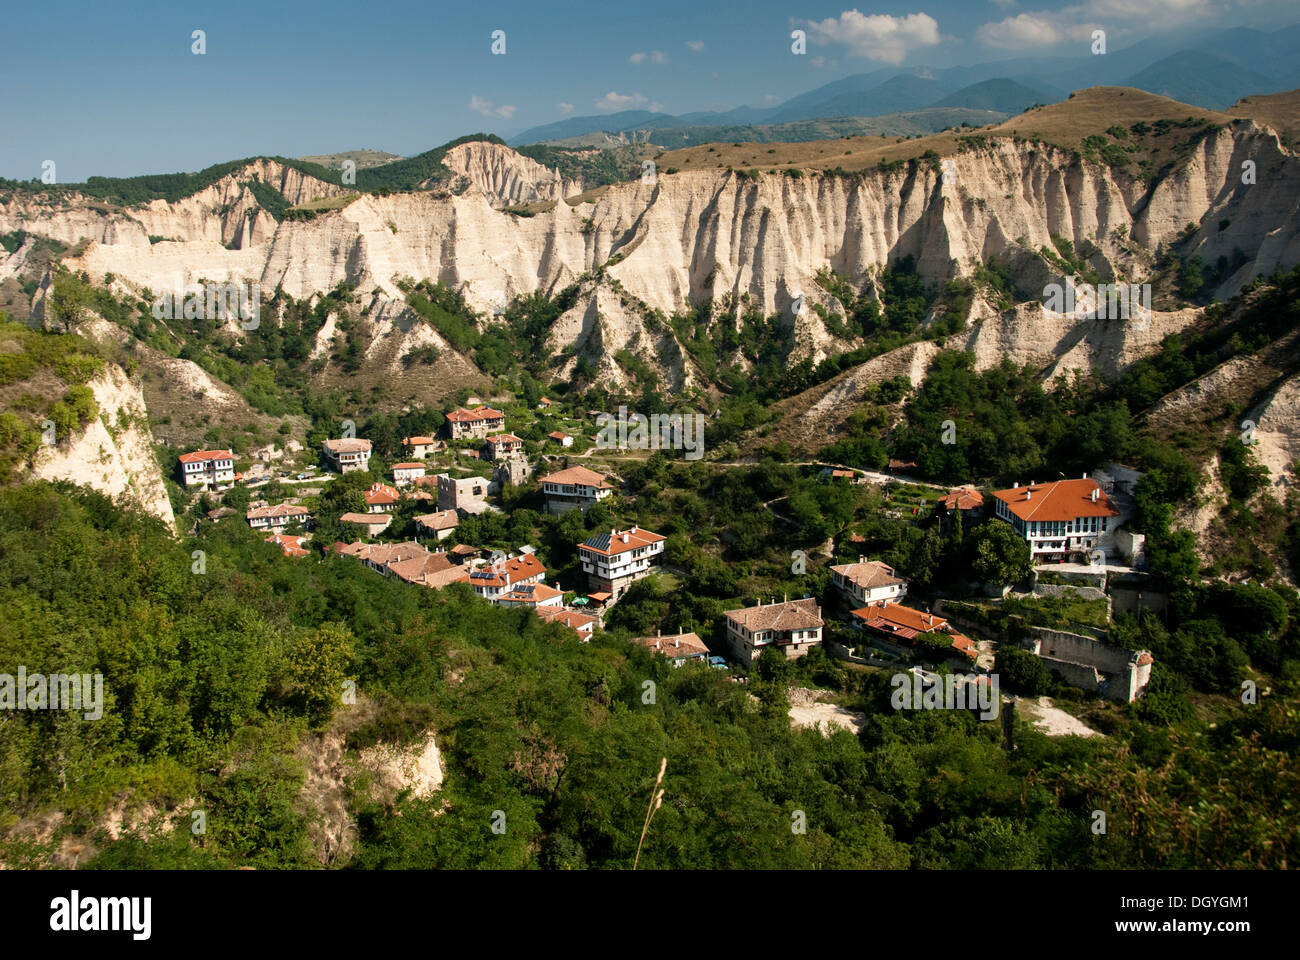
{"points": [[1211, 69]]}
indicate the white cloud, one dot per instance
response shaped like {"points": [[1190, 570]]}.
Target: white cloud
{"points": [[878, 36], [696, 45], [656, 107], [636, 58], [1046, 28], [490, 109], [771, 98], [620, 101], [565, 108], [1019, 32], [654, 56]]}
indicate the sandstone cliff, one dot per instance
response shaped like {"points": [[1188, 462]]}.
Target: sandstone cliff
{"points": [[114, 454]]}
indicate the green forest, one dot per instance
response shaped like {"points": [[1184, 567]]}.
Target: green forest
{"points": [[226, 664]]}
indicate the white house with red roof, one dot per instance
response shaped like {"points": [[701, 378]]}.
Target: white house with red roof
{"points": [[439, 524], [614, 560], [478, 422], [791, 626], [534, 595], [492, 583], [583, 624], [900, 625], [868, 582], [404, 473], [208, 468], [346, 455], [381, 498], [1057, 519], [278, 517], [574, 487], [502, 445], [418, 448]]}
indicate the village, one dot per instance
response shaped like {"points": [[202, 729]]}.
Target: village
{"points": [[1074, 528]]}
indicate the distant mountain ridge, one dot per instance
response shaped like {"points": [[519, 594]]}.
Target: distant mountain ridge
{"points": [[1210, 69]]}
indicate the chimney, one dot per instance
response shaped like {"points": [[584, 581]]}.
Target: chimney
{"points": [[1016, 485], [1028, 493], [1094, 494], [625, 537]]}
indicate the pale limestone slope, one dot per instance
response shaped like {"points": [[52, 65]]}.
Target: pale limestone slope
{"points": [[119, 461]]}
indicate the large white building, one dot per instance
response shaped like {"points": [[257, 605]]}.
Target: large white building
{"points": [[613, 561], [208, 468], [1057, 519], [868, 582], [792, 627], [347, 455], [574, 487]]}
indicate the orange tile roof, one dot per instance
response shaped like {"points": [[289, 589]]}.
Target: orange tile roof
{"points": [[279, 510], [509, 572], [418, 441], [416, 465], [442, 520], [579, 476], [198, 456], [788, 615], [868, 573], [675, 645], [418, 568], [963, 498], [461, 415], [292, 546], [901, 621], [348, 445], [559, 435], [382, 493], [619, 541], [504, 438], [570, 618], [368, 519], [1057, 501], [531, 593]]}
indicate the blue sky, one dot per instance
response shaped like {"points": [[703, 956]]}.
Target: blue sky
{"points": [[118, 92]]}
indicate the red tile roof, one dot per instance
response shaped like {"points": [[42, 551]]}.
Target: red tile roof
{"points": [[904, 622], [416, 465], [367, 519], [478, 414], [198, 456], [442, 520], [963, 498], [292, 546], [279, 510], [570, 618], [789, 615], [382, 493], [619, 541], [418, 441], [509, 572], [675, 645], [1057, 501], [578, 476]]}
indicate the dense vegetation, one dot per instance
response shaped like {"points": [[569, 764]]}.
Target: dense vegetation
{"points": [[219, 681]]}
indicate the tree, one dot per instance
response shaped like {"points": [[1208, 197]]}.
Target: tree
{"points": [[998, 556], [68, 300]]}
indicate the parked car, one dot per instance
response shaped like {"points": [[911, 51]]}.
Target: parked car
{"points": [[719, 663]]}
